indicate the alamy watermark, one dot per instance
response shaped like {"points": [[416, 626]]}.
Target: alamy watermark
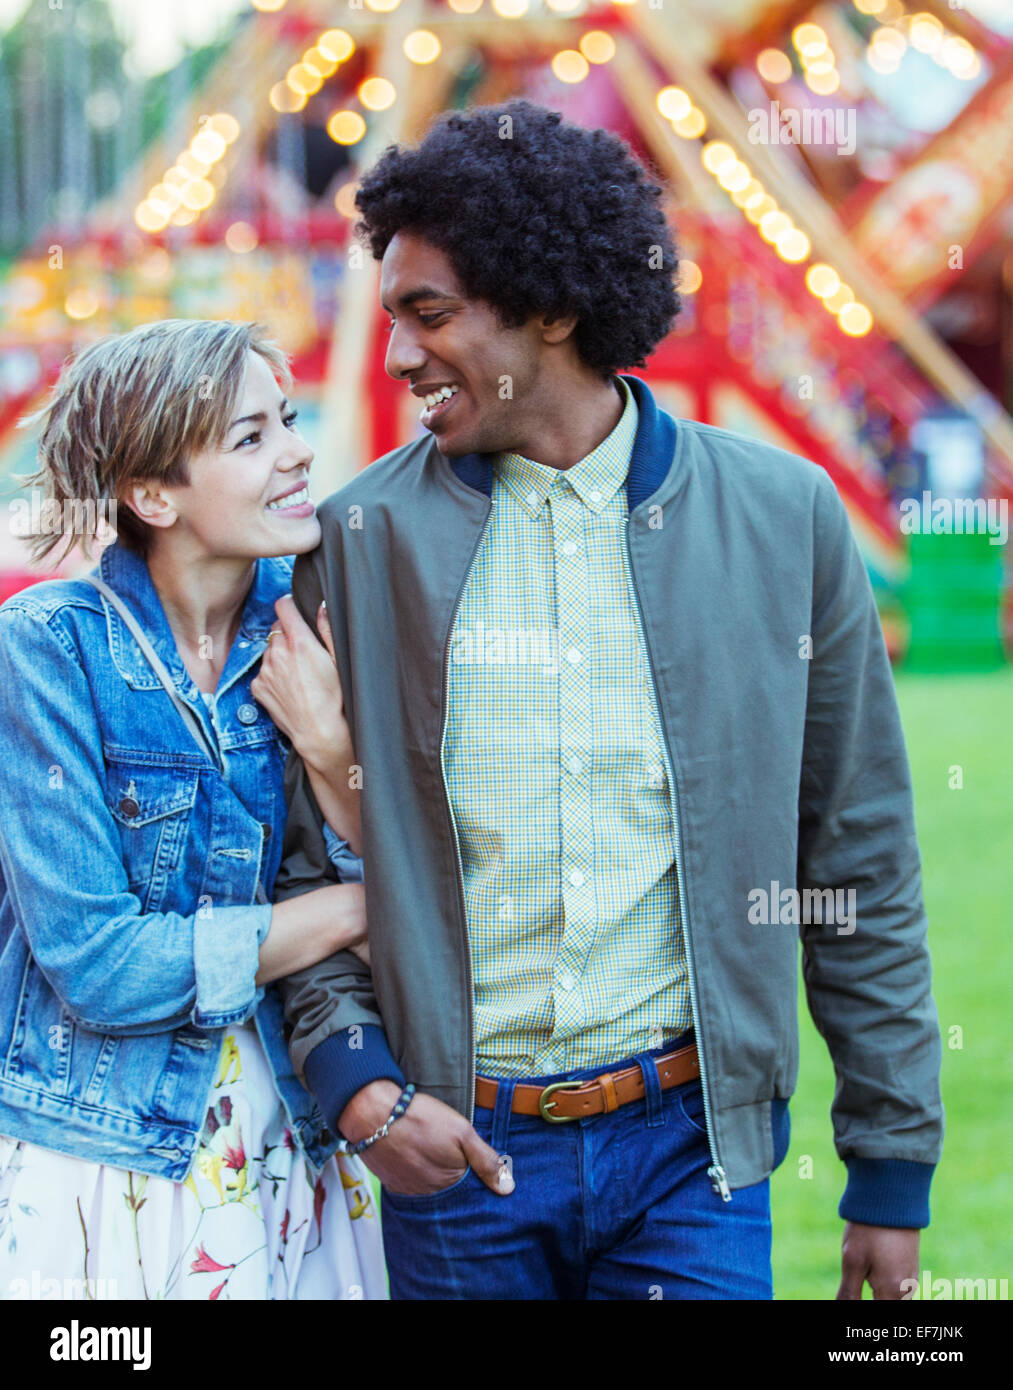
{"points": [[790, 907], [67, 1288], [945, 516], [77, 1343], [506, 646], [784, 125], [979, 1290], [39, 515]]}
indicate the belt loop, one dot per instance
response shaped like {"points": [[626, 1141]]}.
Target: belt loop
{"points": [[652, 1090], [501, 1113]]}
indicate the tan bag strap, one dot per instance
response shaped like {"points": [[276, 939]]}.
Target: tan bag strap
{"points": [[189, 717]]}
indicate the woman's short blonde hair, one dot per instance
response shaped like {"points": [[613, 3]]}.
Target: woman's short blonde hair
{"points": [[136, 407]]}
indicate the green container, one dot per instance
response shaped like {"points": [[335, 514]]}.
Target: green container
{"points": [[953, 600]]}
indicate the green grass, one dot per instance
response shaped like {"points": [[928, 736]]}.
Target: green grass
{"points": [[966, 839]]}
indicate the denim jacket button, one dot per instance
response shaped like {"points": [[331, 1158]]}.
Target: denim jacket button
{"points": [[247, 714], [129, 806]]}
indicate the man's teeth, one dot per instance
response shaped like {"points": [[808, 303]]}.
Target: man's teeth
{"points": [[294, 499], [443, 394]]}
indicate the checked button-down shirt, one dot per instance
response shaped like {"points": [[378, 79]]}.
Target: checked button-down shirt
{"points": [[557, 779]]}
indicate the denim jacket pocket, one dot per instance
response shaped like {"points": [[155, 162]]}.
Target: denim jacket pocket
{"points": [[152, 807]]}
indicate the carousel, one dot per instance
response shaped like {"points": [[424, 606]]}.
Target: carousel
{"points": [[839, 179]]}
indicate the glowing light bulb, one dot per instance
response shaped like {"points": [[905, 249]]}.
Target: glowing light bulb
{"points": [[855, 319], [208, 146], [822, 280], [716, 154], [336, 44], [240, 238], [823, 84], [148, 218], [197, 195], [422, 47], [346, 127], [773, 65], [303, 79], [224, 125], [843, 294], [772, 224], [691, 127], [690, 277], [793, 245], [344, 200], [81, 303], [377, 94], [598, 47], [673, 103], [809, 39], [570, 66]]}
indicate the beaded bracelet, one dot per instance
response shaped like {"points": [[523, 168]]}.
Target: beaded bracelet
{"points": [[403, 1101]]}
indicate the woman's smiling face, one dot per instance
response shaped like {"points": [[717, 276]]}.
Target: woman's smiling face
{"points": [[249, 495]]}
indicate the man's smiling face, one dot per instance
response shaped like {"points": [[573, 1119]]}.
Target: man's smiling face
{"points": [[442, 341]]}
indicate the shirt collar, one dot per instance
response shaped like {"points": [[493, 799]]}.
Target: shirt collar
{"points": [[595, 479], [126, 571]]}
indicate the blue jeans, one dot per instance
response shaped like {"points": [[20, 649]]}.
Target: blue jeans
{"points": [[613, 1206]]}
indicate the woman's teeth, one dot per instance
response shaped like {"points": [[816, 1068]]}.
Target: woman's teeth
{"points": [[294, 499], [443, 394]]}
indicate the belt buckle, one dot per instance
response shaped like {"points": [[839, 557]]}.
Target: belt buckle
{"points": [[544, 1104]]}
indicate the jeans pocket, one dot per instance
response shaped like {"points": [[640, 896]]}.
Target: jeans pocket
{"points": [[689, 1103], [417, 1199]]}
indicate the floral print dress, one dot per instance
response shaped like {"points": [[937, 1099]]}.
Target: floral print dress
{"points": [[253, 1220]]}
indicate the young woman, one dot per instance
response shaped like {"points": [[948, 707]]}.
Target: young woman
{"points": [[154, 1142]]}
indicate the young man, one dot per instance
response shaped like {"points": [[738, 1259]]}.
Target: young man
{"points": [[612, 681]]}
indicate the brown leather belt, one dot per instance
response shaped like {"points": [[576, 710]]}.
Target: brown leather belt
{"points": [[572, 1100]]}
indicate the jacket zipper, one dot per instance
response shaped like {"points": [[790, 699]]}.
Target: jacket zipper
{"points": [[450, 811], [715, 1172]]}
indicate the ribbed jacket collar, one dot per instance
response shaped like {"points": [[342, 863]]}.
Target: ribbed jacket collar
{"points": [[653, 450]]}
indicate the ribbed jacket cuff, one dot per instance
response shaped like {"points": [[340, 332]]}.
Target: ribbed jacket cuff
{"points": [[887, 1192], [335, 1070]]}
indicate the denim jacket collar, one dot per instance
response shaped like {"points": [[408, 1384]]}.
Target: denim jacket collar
{"points": [[126, 572], [653, 451]]}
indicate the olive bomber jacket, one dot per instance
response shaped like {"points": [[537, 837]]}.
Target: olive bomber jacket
{"points": [[789, 773]]}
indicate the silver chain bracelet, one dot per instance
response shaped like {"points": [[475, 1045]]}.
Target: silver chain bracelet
{"points": [[403, 1101]]}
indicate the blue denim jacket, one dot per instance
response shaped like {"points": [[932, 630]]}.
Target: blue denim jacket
{"points": [[129, 871]]}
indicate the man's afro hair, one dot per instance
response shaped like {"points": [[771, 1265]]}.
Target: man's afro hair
{"points": [[537, 216]]}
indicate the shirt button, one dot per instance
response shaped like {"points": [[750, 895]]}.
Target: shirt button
{"points": [[576, 877], [247, 714], [594, 496], [575, 766], [129, 806], [532, 499], [566, 980], [574, 656], [244, 643], [569, 547]]}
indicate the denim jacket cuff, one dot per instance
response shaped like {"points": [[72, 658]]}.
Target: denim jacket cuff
{"points": [[226, 946], [887, 1192]]}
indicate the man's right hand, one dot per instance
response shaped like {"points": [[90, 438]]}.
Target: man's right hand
{"points": [[428, 1148]]}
